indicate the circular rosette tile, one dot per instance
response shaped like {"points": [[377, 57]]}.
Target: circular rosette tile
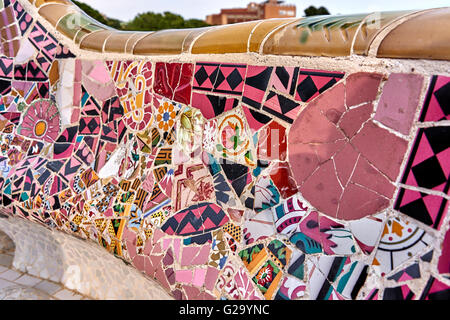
{"points": [[41, 121], [344, 163], [232, 140]]}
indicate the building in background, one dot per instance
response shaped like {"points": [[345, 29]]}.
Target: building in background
{"points": [[254, 11]]}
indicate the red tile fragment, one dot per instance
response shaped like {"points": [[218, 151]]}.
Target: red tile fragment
{"points": [[272, 142], [367, 175], [312, 126], [362, 87], [323, 189], [173, 81], [345, 162], [352, 121], [382, 148], [358, 202], [281, 175]]}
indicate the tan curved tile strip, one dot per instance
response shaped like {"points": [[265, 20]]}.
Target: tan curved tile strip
{"points": [[227, 39], [118, 42], [96, 40], [53, 12], [262, 30], [162, 42], [39, 3], [72, 24], [315, 36], [192, 36], [372, 26], [425, 36]]}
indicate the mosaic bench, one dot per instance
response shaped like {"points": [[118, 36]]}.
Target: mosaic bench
{"points": [[279, 159]]}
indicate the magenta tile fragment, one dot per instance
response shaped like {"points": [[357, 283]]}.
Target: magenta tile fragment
{"points": [[444, 259], [437, 101]]}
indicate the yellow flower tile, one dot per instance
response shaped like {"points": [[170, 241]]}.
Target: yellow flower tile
{"points": [[425, 36], [225, 39]]}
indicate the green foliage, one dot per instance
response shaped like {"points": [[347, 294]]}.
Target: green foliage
{"points": [[313, 11], [148, 21], [92, 12]]}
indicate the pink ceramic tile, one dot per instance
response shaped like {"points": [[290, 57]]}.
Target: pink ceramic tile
{"points": [[176, 248], [183, 276], [156, 261], [161, 278], [157, 235], [138, 262], [168, 258], [199, 277], [189, 253], [192, 293], [100, 73], [149, 269], [157, 249], [166, 243], [399, 101], [202, 256], [358, 202], [211, 278], [368, 176], [170, 275]]}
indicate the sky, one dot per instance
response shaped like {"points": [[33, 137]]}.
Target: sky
{"points": [[199, 9]]}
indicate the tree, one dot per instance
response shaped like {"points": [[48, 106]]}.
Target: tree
{"points": [[150, 21], [313, 11], [95, 14]]}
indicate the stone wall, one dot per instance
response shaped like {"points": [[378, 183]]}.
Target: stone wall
{"points": [[279, 159], [76, 264]]}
